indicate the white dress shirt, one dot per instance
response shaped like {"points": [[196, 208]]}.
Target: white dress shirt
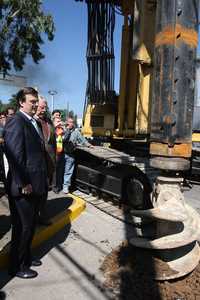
{"points": [[34, 123]]}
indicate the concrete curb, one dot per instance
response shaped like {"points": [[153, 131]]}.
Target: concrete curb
{"points": [[44, 233]]}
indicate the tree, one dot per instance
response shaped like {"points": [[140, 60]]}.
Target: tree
{"points": [[2, 106], [12, 102], [66, 113], [21, 25], [72, 115]]}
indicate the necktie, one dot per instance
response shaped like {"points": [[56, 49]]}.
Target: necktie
{"points": [[34, 123]]}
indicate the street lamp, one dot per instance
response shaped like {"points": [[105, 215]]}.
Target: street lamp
{"points": [[52, 93]]}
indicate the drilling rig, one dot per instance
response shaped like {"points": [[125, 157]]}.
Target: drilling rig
{"points": [[156, 100], [107, 114]]}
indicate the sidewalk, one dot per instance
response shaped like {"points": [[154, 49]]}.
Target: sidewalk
{"points": [[72, 259], [61, 210]]}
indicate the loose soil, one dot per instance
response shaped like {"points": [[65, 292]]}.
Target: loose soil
{"points": [[129, 273]]}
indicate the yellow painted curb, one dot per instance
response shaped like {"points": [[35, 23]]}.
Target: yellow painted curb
{"points": [[44, 233], [196, 137]]}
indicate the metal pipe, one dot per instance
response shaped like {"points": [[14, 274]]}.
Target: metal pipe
{"points": [[174, 74]]}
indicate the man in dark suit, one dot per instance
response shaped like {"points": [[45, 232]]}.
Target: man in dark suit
{"points": [[26, 180]]}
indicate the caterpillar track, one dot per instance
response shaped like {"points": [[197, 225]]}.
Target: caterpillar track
{"points": [[106, 171]]}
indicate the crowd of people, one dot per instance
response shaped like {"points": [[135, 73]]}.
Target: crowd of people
{"points": [[40, 151]]}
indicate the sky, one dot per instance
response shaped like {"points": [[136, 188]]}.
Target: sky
{"points": [[64, 67]]}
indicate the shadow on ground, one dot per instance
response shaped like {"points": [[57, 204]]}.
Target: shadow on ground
{"points": [[58, 205], [57, 239], [5, 225], [54, 207], [2, 295]]}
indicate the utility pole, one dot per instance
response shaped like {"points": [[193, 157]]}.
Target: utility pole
{"points": [[52, 93], [67, 109]]}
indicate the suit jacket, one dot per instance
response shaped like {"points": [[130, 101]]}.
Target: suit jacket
{"points": [[50, 144], [25, 151], [48, 131]]}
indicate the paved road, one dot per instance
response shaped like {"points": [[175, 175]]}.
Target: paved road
{"points": [[72, 259], [70, 269], [192, 196]]}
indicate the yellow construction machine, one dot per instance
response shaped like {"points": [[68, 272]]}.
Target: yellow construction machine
{"points": [[125, 115], [156, 101], [108, 116]]}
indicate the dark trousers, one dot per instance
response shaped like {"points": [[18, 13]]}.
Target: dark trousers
{"points": [[59, 171], [24, 213], [2, 167], [43, 206]]}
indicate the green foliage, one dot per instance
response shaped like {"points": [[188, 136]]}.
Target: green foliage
{"points": [[12, 102], [68, 113], [2, 106], [22, 24]]}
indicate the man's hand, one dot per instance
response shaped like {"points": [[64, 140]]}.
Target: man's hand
{"points": [[27, 190], [57, 122]]}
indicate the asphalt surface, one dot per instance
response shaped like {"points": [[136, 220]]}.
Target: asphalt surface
{"points": [[72, 259]]}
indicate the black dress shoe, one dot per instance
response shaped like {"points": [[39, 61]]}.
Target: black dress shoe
{"points": [[11, 273], [36, 263], [26, 274], [56, 190]]}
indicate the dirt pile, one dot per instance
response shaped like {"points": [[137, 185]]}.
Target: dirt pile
{"points": [[129, 273]]}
